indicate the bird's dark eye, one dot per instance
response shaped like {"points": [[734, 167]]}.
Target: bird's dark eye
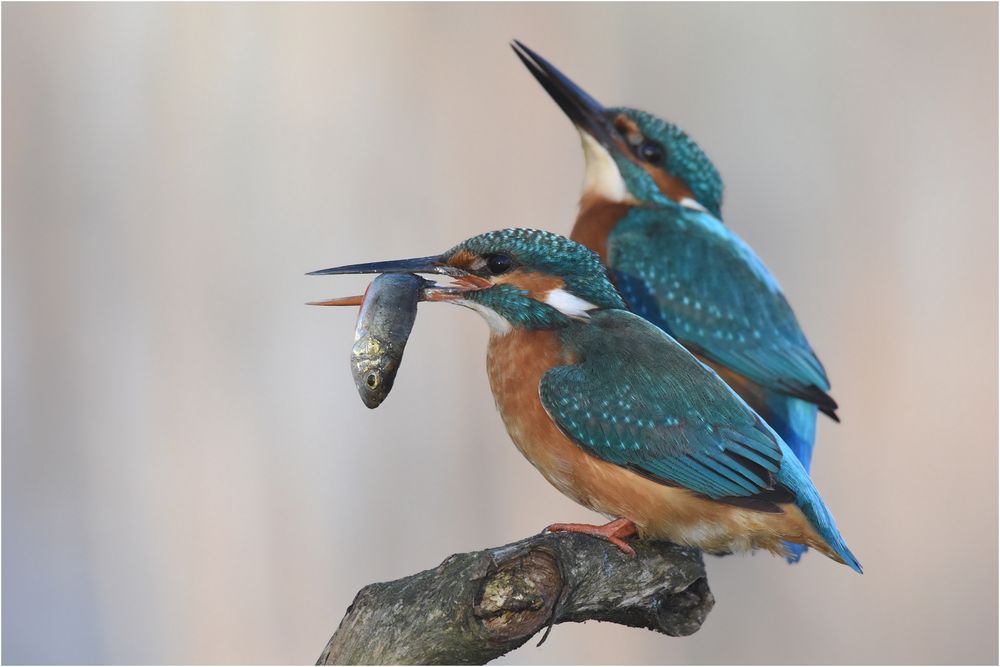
{"points": [[497, 264], [651, 152]]}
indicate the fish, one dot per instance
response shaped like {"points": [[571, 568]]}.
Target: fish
{"points": [[384, 325]]}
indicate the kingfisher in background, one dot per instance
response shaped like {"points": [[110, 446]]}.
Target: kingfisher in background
{"points": [[652, 209], [613, 411]]}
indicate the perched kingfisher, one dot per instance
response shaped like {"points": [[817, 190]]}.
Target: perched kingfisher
{"points": [[652, 208], [613, 411]]}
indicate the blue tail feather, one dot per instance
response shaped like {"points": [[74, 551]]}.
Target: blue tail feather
{"points": [[795, 552], [795, 421]]}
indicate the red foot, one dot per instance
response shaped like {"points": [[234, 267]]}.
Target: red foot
{"points": [[613, 532]]}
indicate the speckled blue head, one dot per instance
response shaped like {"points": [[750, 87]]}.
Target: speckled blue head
{"points": [[659, 160], [531, 278], [631, 155], [515, 278]]}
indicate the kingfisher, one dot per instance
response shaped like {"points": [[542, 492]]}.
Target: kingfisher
{"points": [[652, 209], [613, 411]]}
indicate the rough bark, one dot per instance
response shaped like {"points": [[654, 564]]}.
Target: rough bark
{"points": [[476, 606]]}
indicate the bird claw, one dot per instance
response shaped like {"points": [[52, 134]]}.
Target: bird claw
{"points": [[613, 532]]}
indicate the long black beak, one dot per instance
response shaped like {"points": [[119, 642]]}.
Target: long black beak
{"points": [[434, 264], [431, 291], [586, 113]]}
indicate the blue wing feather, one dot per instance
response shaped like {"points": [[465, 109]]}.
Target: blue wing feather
{"points": [[638, 399], [687, 273]]}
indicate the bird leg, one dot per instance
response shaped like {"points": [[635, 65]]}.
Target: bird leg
{"points": [[614, 532]]}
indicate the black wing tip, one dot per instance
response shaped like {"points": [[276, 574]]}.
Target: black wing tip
{"points": [[820, 399], [827, 405]]}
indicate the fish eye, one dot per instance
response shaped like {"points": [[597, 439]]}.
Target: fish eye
{"points": [[497, 264], [371, 380], [651, 151]]}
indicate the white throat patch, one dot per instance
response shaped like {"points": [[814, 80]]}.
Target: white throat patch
{"points": [[601, 176], [498, 325], [568, 304]]}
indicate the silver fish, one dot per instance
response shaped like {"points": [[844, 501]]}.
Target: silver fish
{"points": [[384, 324]]}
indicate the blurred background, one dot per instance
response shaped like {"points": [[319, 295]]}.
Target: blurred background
{"points": [[188, 473]]}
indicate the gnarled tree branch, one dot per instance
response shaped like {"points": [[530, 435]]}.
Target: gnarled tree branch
{"points": [[476, 606]]}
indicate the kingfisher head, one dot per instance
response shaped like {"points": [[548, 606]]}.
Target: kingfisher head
{"points": [[631, 156], [515, 278]]}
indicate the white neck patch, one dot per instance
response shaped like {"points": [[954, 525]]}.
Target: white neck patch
{"points": [[601, 176], [688, 202], [568, 304]]}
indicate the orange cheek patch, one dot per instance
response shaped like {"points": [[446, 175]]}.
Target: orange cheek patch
{"points": [[537, 285], [671, 186]]}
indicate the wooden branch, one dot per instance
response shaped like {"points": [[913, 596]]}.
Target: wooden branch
{"points": [[476, 606]]}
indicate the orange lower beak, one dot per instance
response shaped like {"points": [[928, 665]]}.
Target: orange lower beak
{"points": [[342, 301]]}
